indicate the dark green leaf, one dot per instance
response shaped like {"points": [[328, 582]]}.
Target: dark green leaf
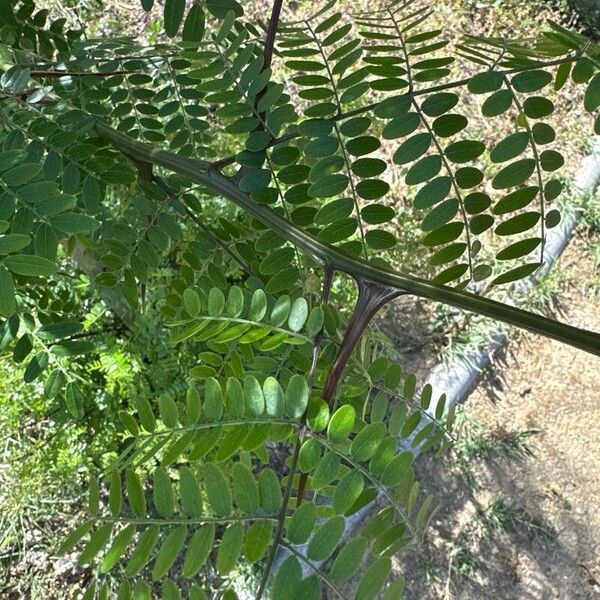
{"points": [[173, 15], [514, 174], [30, 265], [510, 147]]}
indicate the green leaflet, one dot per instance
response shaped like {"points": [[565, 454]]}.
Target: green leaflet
{"points": [[348, 560], [301, 524], [230, 548], [326, 538], [592, 94], [317, 415], [413, 148], [217, 490], [367, 441], [483, 83], [75, 536], [347, 491], [253, 396], [309, 456], [531, 80], [8, 302], [374, 579], [245, 489], [514, 174], [191, 302], [341, 423], [29, 265], [173, 15], [257, 540], [189, 492], [135, 493], [71, 223], [193, 28], [216, 302], [510, 147], [198, 550], [296, 397], [162, 493], [97, 541], [13, 242], [274, 397], [213, 400], [117, 548], [169, 551], [269, 491], [287, 578], [115, 496]]}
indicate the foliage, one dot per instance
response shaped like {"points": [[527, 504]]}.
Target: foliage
{"points": [[115, 231]]}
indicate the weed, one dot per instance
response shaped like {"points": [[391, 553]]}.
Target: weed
{"points": [[473, 443], [505, 515]]}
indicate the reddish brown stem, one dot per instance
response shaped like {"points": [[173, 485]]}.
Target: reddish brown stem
{"points": [[371, 297], [271, 33]]}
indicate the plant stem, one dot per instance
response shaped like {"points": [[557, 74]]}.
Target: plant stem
{"points": [[588, 341], [371, 297], [271, 33]]}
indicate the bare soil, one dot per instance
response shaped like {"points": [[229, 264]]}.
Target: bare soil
{"points": [[546, 544]]}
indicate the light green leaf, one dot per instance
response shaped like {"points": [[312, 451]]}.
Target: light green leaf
{"points": [[296, 397], [141, 554], [269, 491], [287, 579], [341, 423], [302, 522], [326, 538], [117, 548], [346, 492], [169, 551], [230, 548], [198, 550], [217, 490], [216, 302], [274, 397], [245, 489], [258, 305], [253, 396], [115, 495], [374, 579], [349, 559], [258, 538], [135, 493], [213, 400], [97, 541], [367, 441], [189, 492], [162, 493], [191, 302]]}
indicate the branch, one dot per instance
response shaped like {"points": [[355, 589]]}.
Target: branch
{"points": [[271, 33], [324, 253], [77, 73]]}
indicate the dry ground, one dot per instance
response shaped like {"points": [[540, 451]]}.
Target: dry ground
{"points": [[524, 525]]}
